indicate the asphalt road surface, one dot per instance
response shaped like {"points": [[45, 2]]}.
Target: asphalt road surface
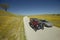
{"points": [[46, 34]]}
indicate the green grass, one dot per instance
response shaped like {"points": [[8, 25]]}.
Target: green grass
{"points": [[11, 27], [53, 18]]}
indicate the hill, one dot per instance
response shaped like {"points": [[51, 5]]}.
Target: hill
{"points": [[5, 13]]}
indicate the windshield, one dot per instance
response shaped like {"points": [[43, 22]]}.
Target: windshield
{"points": [[44, 21]]}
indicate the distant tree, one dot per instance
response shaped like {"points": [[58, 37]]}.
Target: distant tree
{"points": [[4, 6]]}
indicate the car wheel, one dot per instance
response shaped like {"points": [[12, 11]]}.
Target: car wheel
{"points": [[32, 26], [29, 23], [42, 26], [35, 29]]}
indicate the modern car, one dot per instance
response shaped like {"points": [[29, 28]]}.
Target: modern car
{"points": [[46, 23]]}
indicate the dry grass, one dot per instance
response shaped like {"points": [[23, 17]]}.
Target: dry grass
{"points": [[11, 27]]}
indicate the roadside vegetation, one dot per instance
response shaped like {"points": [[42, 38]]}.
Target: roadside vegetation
{"points": [[11, 26]]}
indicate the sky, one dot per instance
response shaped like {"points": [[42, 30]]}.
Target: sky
{"points": [[32, 7]]}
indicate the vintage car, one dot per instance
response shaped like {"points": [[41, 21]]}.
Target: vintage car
{"points": [[35, 24]]}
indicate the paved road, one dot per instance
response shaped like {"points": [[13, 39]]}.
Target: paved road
{"points": [[46, 34]]}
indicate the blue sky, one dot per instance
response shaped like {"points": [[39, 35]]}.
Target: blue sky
{"points": [[31, 7]]}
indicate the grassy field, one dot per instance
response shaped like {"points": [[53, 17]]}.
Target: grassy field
{"points": [[53, 18], [11, 27]]}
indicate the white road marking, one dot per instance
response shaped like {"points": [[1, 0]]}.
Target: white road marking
{"points": [[46, 34]]}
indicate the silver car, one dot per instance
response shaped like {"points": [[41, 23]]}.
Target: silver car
{"points": [[46, 23]]}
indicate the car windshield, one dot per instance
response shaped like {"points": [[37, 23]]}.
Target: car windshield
{"points": [[44, 21]]}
